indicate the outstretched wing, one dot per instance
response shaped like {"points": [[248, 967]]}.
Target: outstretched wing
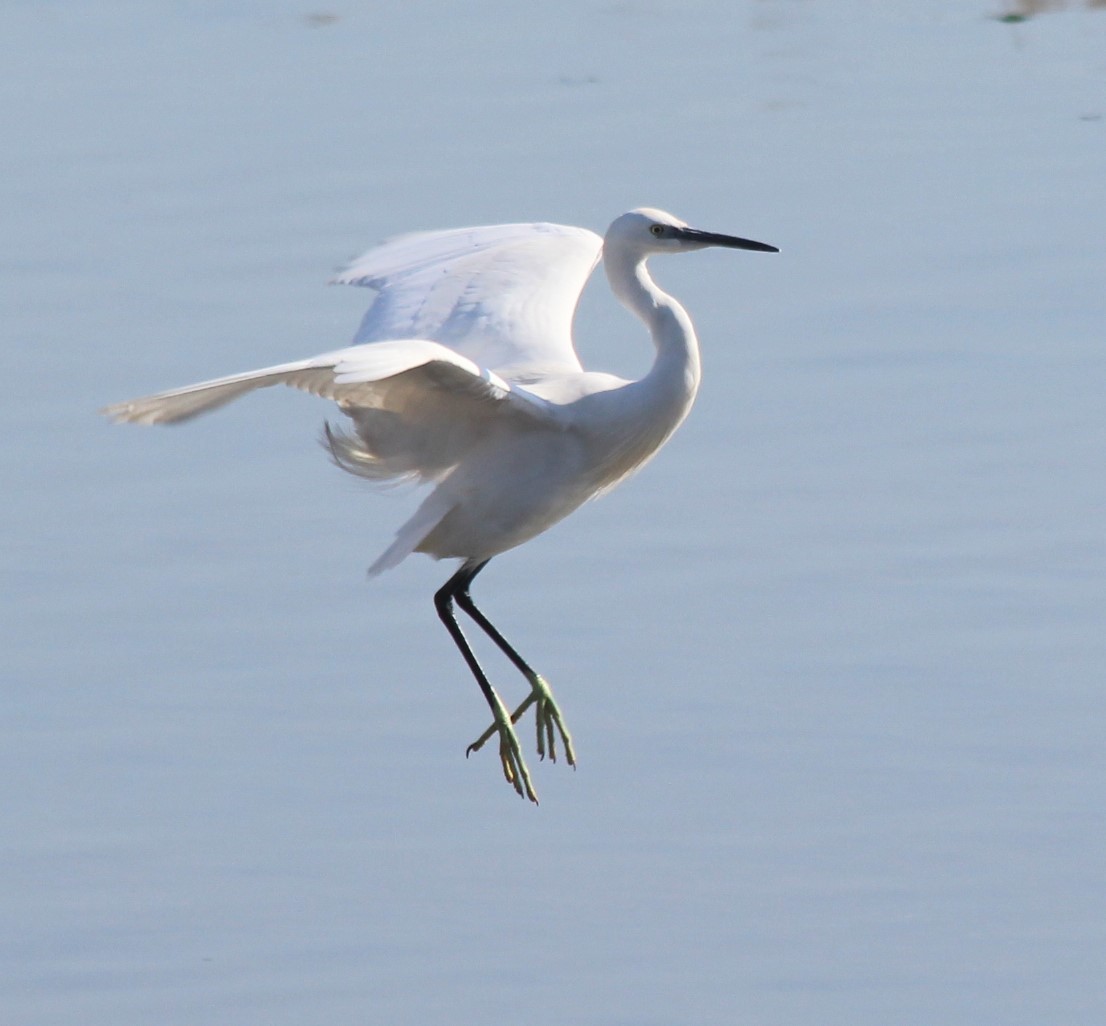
{"points": [[503, 295], [464, 319], [417, 406]]}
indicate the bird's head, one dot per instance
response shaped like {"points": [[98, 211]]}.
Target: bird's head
{"points": [[650, 231]]}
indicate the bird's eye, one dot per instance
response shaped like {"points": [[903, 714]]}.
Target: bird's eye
{"points": [[657, 230]]}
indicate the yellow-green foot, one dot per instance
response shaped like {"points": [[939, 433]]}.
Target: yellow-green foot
{"points": [[510, 752], [548, 722]]}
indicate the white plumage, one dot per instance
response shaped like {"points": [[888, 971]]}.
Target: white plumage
{"points": [[463, 375]]}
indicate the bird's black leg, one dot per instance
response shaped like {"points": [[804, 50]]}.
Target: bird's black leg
{"points": [[510, 753], [548, 714]]}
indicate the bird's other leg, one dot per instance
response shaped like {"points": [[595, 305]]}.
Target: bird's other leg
{"points": [[547, 715], [510, 752]]}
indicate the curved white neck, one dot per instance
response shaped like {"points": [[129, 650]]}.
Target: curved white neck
{"points": [[673, 334]]}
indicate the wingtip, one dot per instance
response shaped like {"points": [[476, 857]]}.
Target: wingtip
{"points": [[117, 413]]}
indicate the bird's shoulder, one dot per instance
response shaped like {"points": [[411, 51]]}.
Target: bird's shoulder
{"points": [[564, 389]]}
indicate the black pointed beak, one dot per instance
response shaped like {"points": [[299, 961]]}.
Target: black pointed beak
{"points": [[729, 241]]}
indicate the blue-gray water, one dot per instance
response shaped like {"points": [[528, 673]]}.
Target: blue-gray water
{"points": [[833, 661]]}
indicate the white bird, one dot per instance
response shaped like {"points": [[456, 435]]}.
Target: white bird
{"points": [[463, 375]]}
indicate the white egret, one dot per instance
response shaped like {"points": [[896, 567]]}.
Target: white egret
{"points": [[463, 375]]}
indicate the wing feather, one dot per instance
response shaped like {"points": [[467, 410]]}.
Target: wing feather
{"points": [[417, 407], [502, 295], [461, 317], [180, 404]]}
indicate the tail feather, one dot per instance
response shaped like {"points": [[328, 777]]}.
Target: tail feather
{"points": [[429, 514]]}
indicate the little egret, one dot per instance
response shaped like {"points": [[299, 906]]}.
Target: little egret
{"points": [[463, 375]]}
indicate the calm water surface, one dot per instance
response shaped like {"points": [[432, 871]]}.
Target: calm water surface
{"points": [[833, 662]]}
